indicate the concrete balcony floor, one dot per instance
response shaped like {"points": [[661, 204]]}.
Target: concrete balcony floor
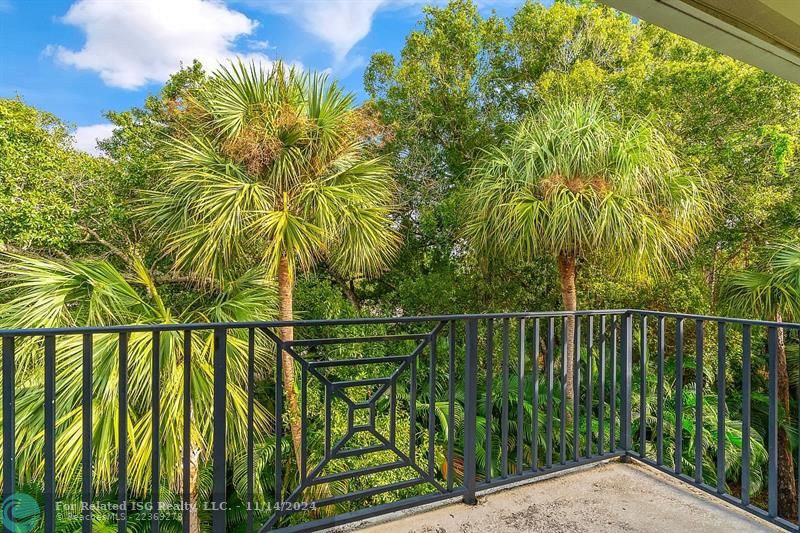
{"points": [[609, 496]]}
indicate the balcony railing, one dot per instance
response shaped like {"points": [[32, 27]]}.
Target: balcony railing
{"points": [[385, 413]]}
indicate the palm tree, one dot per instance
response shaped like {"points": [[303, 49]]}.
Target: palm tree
{"points": [[42, 292], [571, 181], [274, 171], [772, 290]]}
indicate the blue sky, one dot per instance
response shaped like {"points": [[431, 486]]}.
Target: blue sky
{"points": [[80, 58]]}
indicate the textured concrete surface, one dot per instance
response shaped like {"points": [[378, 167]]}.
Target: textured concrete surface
{"points": [[608, 497]]}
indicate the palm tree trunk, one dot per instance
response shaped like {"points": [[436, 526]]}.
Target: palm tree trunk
{"points": [[286, 312], [787, 487], [569, 298], [194, 521]]}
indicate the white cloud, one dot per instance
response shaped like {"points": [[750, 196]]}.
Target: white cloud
{"points": [[130, 43], [339, 23], [259, 45], [86, 137]]}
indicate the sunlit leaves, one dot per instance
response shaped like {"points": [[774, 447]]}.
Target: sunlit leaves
{"points": [[277, 168], [44, 183], [771, 289], [572, 179], [41, 292]]}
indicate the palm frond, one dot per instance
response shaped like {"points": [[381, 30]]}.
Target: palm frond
{"points": [[573, 179]]}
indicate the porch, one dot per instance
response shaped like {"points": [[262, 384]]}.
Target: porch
{"points": [[611, 496]]}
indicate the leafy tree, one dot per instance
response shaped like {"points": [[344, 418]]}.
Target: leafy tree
{"points": [[274, 172], [459, 84], [738, 125], [462, 80], [772, 289], [572, 182], [438, 102], [135, 142], [46, 185], [134, 147]]}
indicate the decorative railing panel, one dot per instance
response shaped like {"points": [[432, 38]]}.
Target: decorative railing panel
{"points": [[174, 426]]}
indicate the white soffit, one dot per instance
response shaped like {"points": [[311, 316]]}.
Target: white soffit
{"points": [[764, 33]]}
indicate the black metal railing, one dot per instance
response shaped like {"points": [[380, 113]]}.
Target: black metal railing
{"points": [[382, 414]]}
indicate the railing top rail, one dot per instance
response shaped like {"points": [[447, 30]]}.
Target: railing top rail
{"points": [[146, 328], [712, 318], [143, 328]]}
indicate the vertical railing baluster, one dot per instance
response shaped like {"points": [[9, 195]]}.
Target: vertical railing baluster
{"points": [[9, 422], [219, 437], [589, 385], [328, 420], [470, 415], [489, 400], [187, 430], [122, 450], [520, 393], [746, 380], [576, 389], [392, 419], [721, 407], [772, 428], [279, 426], [563, 403], [251, 393], [698, 403], [551, 340], [303, 424], [627, 377], [679, 396], [412, 410], [601, 401], [642, 384], [49, 433], [155, 434], [451, 401], [535, 398], [86, 453], [660, 392], [612, 445], [431, 403], [504, 415]]}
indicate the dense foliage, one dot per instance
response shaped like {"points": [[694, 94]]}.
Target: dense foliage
{"points": [[221, 178]]}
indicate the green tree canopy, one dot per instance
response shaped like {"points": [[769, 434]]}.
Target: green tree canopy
{"points": [[45, 185], [462, 81]]}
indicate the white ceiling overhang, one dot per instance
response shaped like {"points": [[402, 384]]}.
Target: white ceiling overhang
{"points": [[764, 33]]}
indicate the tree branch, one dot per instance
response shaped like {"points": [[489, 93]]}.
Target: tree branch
{"points": [[21, 251], [111, 247], [161, 277]]}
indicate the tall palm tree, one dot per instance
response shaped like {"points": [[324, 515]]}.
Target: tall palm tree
{"points": [[274, 171], [772, 290], [41, 292], [571, 181]]}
